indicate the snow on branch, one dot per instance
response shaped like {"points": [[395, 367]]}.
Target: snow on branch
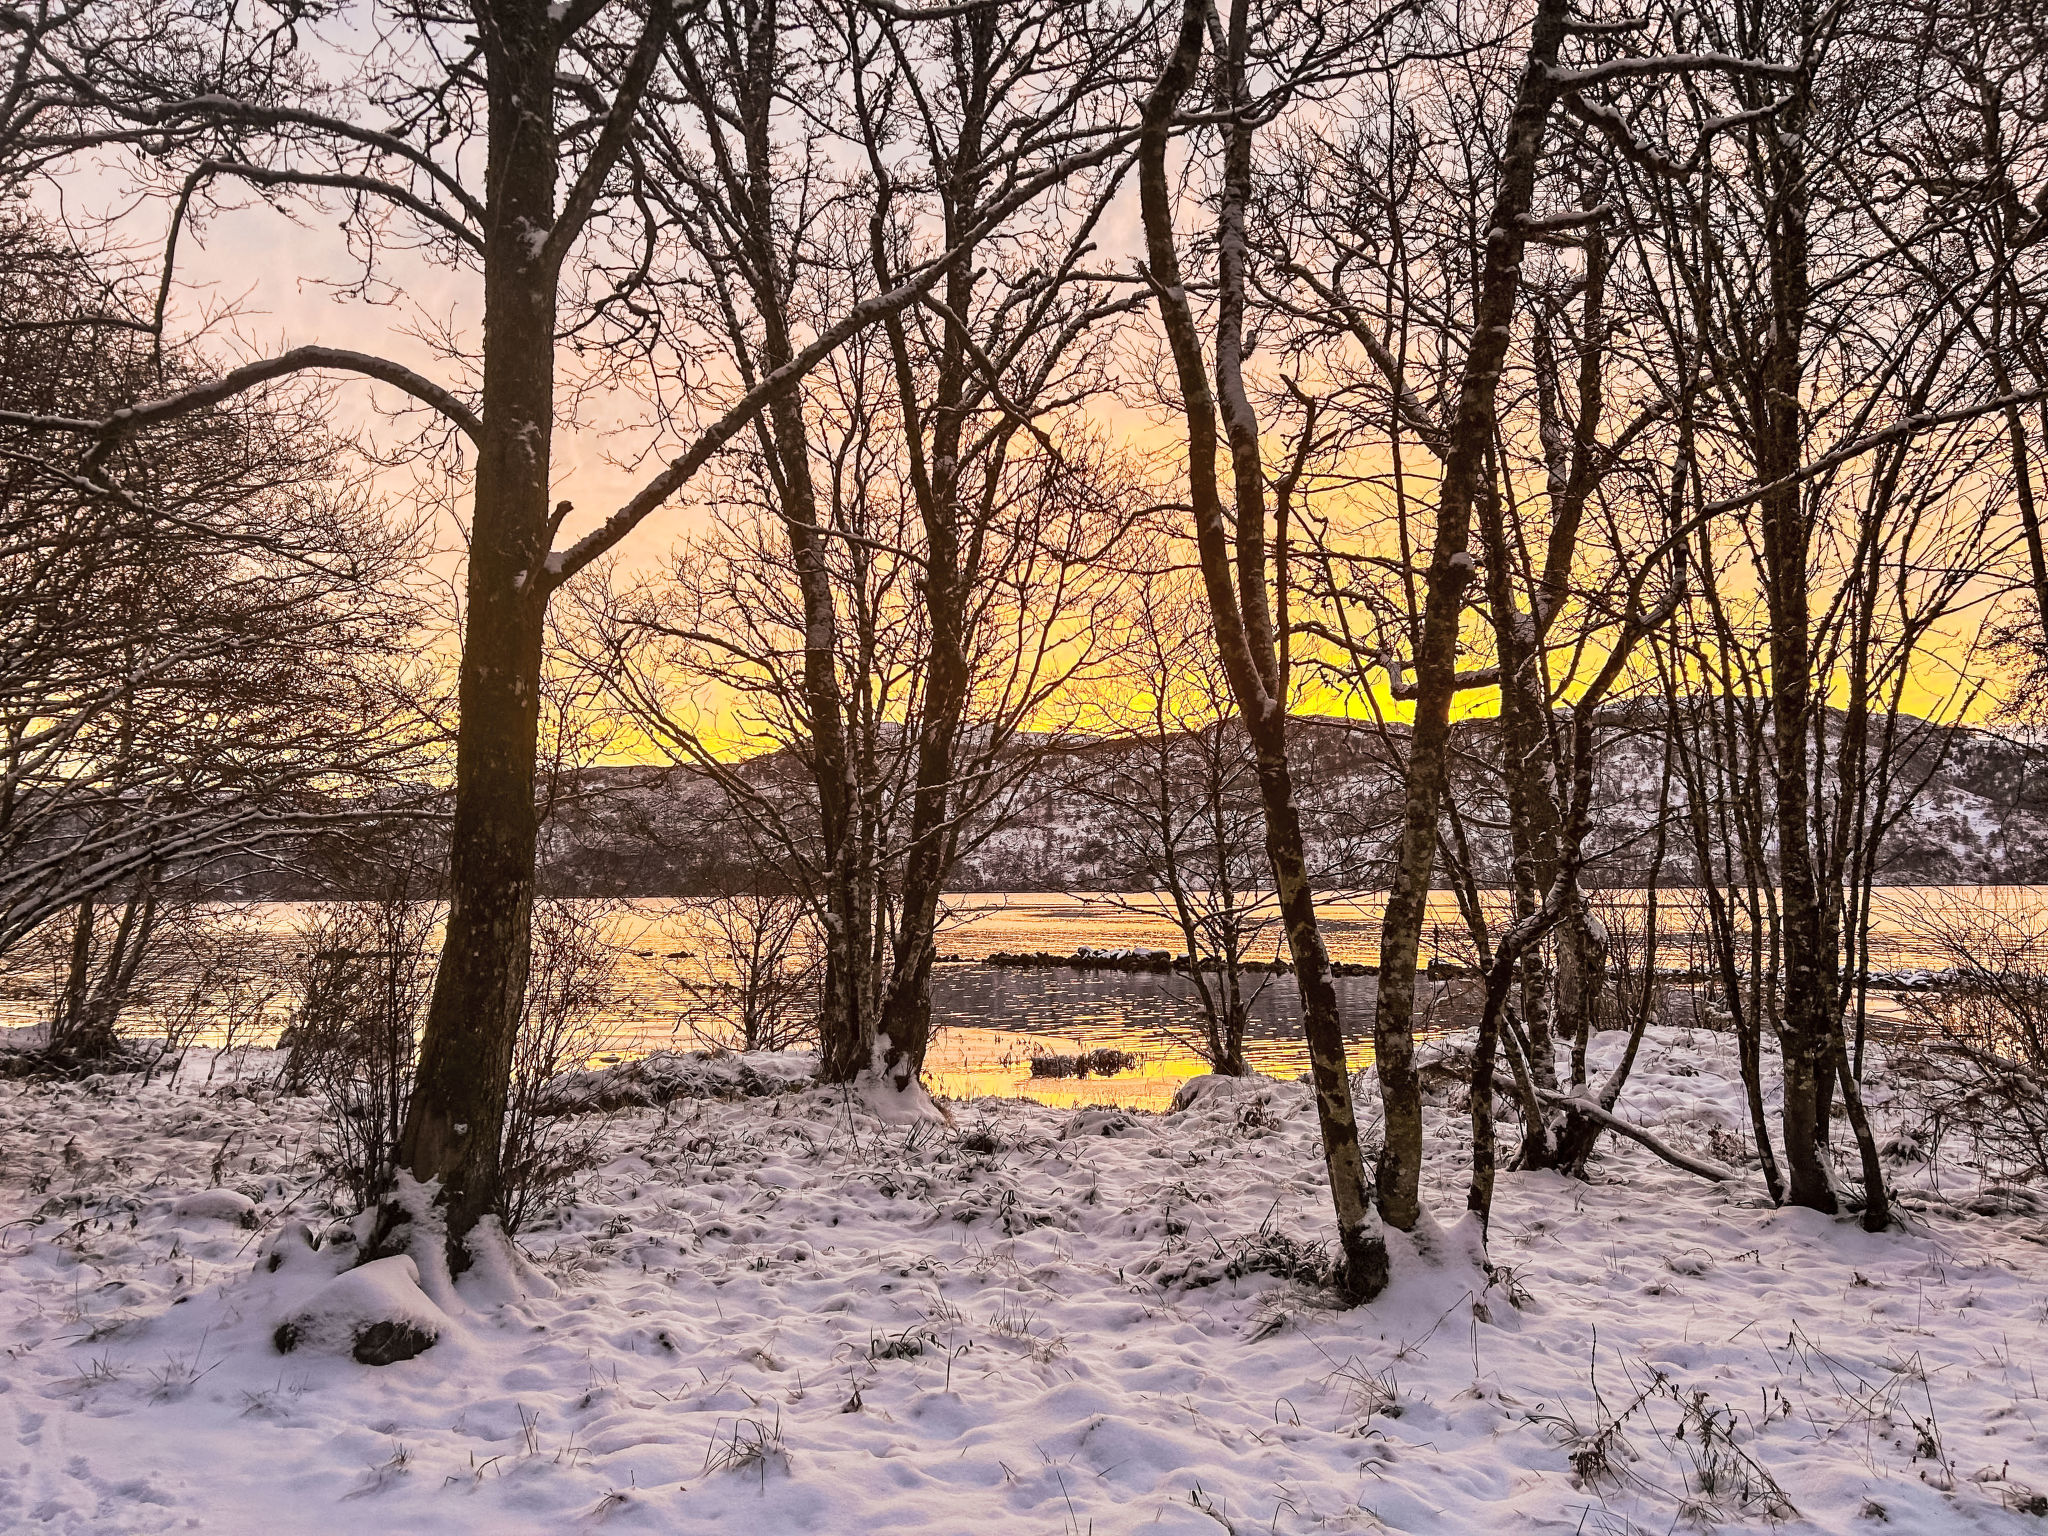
{"points": [[1577, 218], [1612, 126], [1664, 64], [1398, 682]]}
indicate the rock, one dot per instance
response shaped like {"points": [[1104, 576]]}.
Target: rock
{"points": [[391, 1341], [2008, 1200], [376, 1312], [664, 1076]]}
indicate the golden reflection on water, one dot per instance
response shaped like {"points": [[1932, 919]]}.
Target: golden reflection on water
{"points": [[966, 1062], [981, 924]]}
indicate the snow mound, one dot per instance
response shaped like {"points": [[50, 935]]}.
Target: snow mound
{"points": [[665, 1076], [1214, 1088], [908, 1105], [1101, 1122], [498, 1272], [216, 1205], [293, 1250], [1443, 1064], [378, 1313]]}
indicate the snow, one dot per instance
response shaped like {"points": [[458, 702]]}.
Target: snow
{"points": [[1120, 952], [1211, 1087], [780, 1313]]}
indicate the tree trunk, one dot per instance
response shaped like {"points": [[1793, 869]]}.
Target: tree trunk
{"points": [[907, 1013], [67, 1024], [124, 962], [845, 1029], [936, 481], [1533, 822], [750, 68], [1804, 1038], [454, 1126], [1365, 1253], [1234, 579], [1467, 444]]}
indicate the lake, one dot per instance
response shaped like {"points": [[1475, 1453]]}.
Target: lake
{"points": [[993, 1019]]}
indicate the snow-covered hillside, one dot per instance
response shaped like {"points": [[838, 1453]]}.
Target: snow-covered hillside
{"points": [[1982, 818]]}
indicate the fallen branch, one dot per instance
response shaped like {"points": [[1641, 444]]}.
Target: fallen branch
{"points": [[1579, 1105]]}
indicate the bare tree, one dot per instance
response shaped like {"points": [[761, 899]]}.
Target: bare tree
{"points": [[1465, 443], [1175, 785], [753, 978], [947, 115], [1851, 403], [1372, 243], [730, 614], [201, 662]]}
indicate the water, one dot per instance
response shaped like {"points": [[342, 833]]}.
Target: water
{"points": [[993, 1019]]}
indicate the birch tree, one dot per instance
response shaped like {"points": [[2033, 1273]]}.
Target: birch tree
{"points": [[1232, 545]]}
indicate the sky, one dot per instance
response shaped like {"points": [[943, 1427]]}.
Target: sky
{"points": [[280, 279]]}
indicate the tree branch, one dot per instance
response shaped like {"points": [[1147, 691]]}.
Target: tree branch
{"points": [[109, 429], [1581, 1104]]}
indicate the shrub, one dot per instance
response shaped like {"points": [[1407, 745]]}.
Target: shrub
{"points": [[364, 976], [365, 979], [1985, 1028], [1105, 1062], [571, 987], [755, 972]]}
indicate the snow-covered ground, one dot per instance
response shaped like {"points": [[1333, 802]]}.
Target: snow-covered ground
{"points": [[780, 1314]]}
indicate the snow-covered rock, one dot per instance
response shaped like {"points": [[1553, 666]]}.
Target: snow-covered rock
{"points": [[376, 1312], [1103, 1122], [293, 1249], [1213, 1088]]}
